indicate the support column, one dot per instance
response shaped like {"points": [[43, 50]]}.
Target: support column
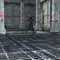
{"points": [[55, 12], [36, 12], [2, 29], [22, 15], [38, 18]]}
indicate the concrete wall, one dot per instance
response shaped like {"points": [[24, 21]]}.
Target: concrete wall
{"points": [[12, 15], [56, 13], [13, 1], [25, 1], [17, 12], [43, 8], [2, 29], [46, 14]]}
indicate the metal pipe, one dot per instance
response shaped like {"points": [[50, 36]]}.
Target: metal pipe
{"points": [[21, 9], [36, 12]]}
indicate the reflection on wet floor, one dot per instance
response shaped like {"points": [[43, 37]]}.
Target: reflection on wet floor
{"points": [[29, 47]]}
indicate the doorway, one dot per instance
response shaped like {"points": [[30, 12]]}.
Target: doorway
{"points": [[45, 15]]}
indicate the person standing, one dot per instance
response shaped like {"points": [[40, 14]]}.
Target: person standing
{"points": [[30, 24]]}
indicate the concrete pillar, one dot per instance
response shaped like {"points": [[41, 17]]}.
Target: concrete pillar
{"points": [[38, 18], [36, 13], [55, 11], [2, 29], [21, 14]]}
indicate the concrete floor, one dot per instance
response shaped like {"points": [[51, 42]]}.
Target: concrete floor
{"points": [[30, 47]]}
